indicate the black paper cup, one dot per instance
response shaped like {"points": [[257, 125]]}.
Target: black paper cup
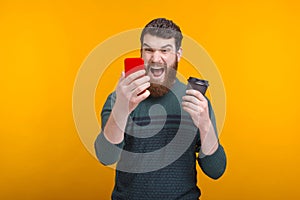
{"points": [[197, 84]]}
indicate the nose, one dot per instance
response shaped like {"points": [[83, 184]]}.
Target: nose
{"points": [[156, 57]]}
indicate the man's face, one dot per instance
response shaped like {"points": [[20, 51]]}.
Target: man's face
{"points": [[161, 59]]}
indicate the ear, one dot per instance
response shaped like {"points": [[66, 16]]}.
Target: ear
{"points": [[179, 54]]}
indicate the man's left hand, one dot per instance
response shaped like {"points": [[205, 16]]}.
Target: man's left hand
{"points": [[197, 106]]}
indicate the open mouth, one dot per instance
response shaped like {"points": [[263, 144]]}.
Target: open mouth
{"points": [[157, 71]]}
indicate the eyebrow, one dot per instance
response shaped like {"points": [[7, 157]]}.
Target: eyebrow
{"points": [[163, 47]]}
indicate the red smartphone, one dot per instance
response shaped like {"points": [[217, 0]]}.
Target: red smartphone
{"points": [[132, 65]]}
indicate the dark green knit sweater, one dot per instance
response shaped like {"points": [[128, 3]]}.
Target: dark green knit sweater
{"points": [[157, 159]]}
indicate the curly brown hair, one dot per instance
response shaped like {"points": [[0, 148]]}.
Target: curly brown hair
{"points": [[163, 28]]}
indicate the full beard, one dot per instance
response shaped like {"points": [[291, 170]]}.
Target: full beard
{"points": [[158, 89]]}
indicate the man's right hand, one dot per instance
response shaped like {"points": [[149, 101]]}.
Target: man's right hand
{"points": [[128, 97], [130, 91]]}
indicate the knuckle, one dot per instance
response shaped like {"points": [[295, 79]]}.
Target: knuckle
{"points": [[130, 78], [135, 84], [140, 89]]}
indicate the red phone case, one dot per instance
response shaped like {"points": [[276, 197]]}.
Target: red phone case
{"points": [[132, 65]]}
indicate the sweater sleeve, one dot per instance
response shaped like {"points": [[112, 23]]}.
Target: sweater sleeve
{"points": [[106, 152], [213, 165]]}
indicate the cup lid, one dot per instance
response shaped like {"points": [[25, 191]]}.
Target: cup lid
{"points": [[198, 81]]}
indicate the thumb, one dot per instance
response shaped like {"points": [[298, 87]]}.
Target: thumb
{"points": [[122, 77]]}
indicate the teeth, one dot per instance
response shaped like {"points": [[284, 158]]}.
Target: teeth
{"points": [[156, 68], [157, 71]]}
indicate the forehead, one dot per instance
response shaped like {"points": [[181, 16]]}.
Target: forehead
{"points": [[158, 42]]}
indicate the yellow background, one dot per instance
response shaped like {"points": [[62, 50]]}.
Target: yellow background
{"points": [[255, 45]]}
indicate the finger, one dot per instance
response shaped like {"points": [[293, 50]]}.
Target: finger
{"points": [[142, 96], [141, 88], [134, 76], [189, 110], [201, 105], [138, 82], [122, 77], [192, 111], [196, 93], [191, 106], [192, 99]]}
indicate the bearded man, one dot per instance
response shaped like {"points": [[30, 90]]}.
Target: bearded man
{"points": [[155, 129]]}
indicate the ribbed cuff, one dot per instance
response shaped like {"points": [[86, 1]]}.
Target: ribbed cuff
{"points": [[213, 165], [106, 152]]}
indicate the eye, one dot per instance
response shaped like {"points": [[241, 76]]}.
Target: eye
{"points": [[167, 50], [148, 50]]}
